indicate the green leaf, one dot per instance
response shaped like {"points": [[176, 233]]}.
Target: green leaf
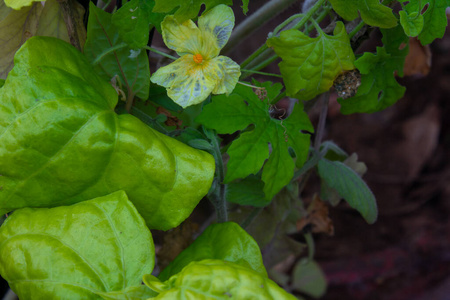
{"points": [[18, 4], [248, 191], [379, 89], [102, 35], [139, 292], [225, 241], [217, 279], [249, 152], [350, 187], [372, 12], [434, 18], [132, 21], [75, 252], [411, 23], [309, 278], [185, 10], [17, 26], [61, 142], [310, 65]]}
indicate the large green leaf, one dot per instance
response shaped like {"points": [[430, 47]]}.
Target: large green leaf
{"points": [[131, 67], [225, 241], [75, 252], [137, 292], [310, 65], [372, 12], [61, 142], [216, 279], [379, 89], [249, 152], [434, 18], [350, 187], [190, 9], [45, 20]]}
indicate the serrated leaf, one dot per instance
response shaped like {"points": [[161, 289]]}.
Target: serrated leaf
{"points": [[61, 142], [412, 23], [434, 18], [74, 252], [45, 20], [372, 12], [217, 279], [132, 21], [133, 71], [248, 191], [225, 241], [350, 187], [249, 152], [379, 89], [309, 278], [185, 10], [310, 65]]}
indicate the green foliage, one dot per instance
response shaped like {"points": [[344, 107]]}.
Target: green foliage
{"points": [[411, 23], [308, 278], [132, 70], [18, 4], [379, 89], [131, 293], [372, 12], [16, 26], [225, 241], [185, 10], [248, 191], [249, 152], [310, 65], [76, 252], [350, 187], [62, 143], [216, 279], [434, 18], [132, 21]]}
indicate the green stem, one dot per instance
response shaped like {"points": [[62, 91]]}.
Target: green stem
{"points": [[356, 29], [261, 65], [263, 15], [251, 216], [278, 98], [322, 121], [261, 73], [160, 53], [311, 246]]}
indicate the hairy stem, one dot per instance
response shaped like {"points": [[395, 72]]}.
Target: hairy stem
{"points": [[322, 120]]}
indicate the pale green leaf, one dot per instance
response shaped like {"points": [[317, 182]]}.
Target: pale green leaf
{"points": [[308, 278], [350, 187], [75, 252], [310, 65], [411, 23], [217, 279], [18, 4], [61, 142], [225, 241]]}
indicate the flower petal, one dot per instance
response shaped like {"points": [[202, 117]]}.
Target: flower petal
{"points": [[187, 82], [230, 73], [183, 38], [219, 22]]}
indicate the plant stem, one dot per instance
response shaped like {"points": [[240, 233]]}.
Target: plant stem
{"points": [[70, 15], [356, 29], [251, 216], [160, 53], [311, 247], [261, 73], [264, 14], [322, 121]]}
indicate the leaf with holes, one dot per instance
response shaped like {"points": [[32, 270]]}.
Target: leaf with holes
{"points": [[249, 152], [372, 12], [310, 65], [379, 89], [350, 187], [75, 252], [112, 57]]}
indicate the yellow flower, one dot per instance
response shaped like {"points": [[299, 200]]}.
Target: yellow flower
{"points": [[200, 70]]}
